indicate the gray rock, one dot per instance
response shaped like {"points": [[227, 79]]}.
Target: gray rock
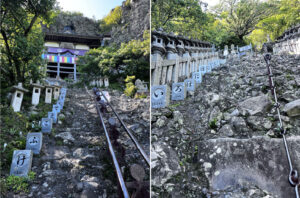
{"points": [[292, 108], [65, 136], [256, 105], [226, 131]]}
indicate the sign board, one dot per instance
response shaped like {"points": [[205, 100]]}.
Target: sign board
{"points": [[46, 125], [190, 83], [21, 163], [56, 108], [34, 142], [197, 77], [160, 96], [53, 116], [178, 91]]}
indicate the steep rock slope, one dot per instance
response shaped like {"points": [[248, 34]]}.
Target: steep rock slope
{"points": [[223, 140], [135, 20]]}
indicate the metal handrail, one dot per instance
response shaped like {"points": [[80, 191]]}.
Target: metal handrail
{"points": [[146, 158]]}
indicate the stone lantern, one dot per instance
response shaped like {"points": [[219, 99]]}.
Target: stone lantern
{"points": [[17, 97], [56, 90], [101, 82], [48, 96], [106, 82], [36, 92]]}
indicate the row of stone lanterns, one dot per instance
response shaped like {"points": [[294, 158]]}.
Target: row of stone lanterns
{"points": [[37, 87], [174, 57], [288, 42]]}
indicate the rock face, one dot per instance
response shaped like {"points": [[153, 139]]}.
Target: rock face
{"points": [[225, 137], [293, 108], [76, 24], [135, 20]]}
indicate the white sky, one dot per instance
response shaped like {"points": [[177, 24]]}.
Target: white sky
{"points": [[90, 8], [100, 8]]}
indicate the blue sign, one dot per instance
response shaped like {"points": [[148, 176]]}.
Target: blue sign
{"points": [[190, 83], [34, 142], [197, 77], [178, 91], [56, 108], [53, 116], [21, 163], [46, 125], [160, 96]]}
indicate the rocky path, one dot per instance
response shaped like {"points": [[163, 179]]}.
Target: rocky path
{"points": [[223, 141], [75, 161]]}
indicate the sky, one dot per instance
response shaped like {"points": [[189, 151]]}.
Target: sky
{"points": [[100, 8], [90, 8]]}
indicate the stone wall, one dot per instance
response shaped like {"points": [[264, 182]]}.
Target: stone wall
{"points": [[288, 42], [175, 58]]}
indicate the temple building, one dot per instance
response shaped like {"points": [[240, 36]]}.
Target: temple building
{"points": [[67, 38]]}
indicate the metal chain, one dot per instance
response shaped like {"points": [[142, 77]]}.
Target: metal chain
{"points": [[293, 175]]}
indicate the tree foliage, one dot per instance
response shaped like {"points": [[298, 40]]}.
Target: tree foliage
{"points": [[22, 39], [113, 18], [117, 62], [236, 22], [183, 17]]}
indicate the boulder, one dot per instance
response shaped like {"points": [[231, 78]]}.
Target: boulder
{"points": [[256, 105], [292, 108]]}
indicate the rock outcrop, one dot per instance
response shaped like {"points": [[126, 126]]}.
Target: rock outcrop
{"points": [[135, 20]]}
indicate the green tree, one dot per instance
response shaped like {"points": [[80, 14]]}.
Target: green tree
{"points": [[242, 16], [117, 62], [21, 38], [113, 18], [179, 16]]}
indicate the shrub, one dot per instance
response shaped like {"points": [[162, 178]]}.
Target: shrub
{"points": [[130, 88], [16, 183]]}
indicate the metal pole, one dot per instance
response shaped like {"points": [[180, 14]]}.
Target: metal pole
{"points": [[146, 158], [112, 153]]}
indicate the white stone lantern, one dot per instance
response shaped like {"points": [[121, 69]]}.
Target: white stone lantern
{"points": [[56, 90], [48, 95], [101, 82], [17, 97], [36, 92], [106, 82]]}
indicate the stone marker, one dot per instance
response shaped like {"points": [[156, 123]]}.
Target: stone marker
{"points": [[34, 142], [46, 125], [197, 77], [178, 91], [160, 96], [36, 93], [226, 51], [56, 108], [48, 97], [190, 83], [106, 82], [61, 103], [21, 163], [17, 97], [141, 86], [101, 82], [53, 116], [57, 88]]}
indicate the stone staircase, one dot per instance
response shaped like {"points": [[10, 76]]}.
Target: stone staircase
{"points": [[75, 161], [223, 140]]}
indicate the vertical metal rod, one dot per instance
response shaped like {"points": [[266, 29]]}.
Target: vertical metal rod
{"points": [[146, 158], [112, 153], [293, 173]]}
